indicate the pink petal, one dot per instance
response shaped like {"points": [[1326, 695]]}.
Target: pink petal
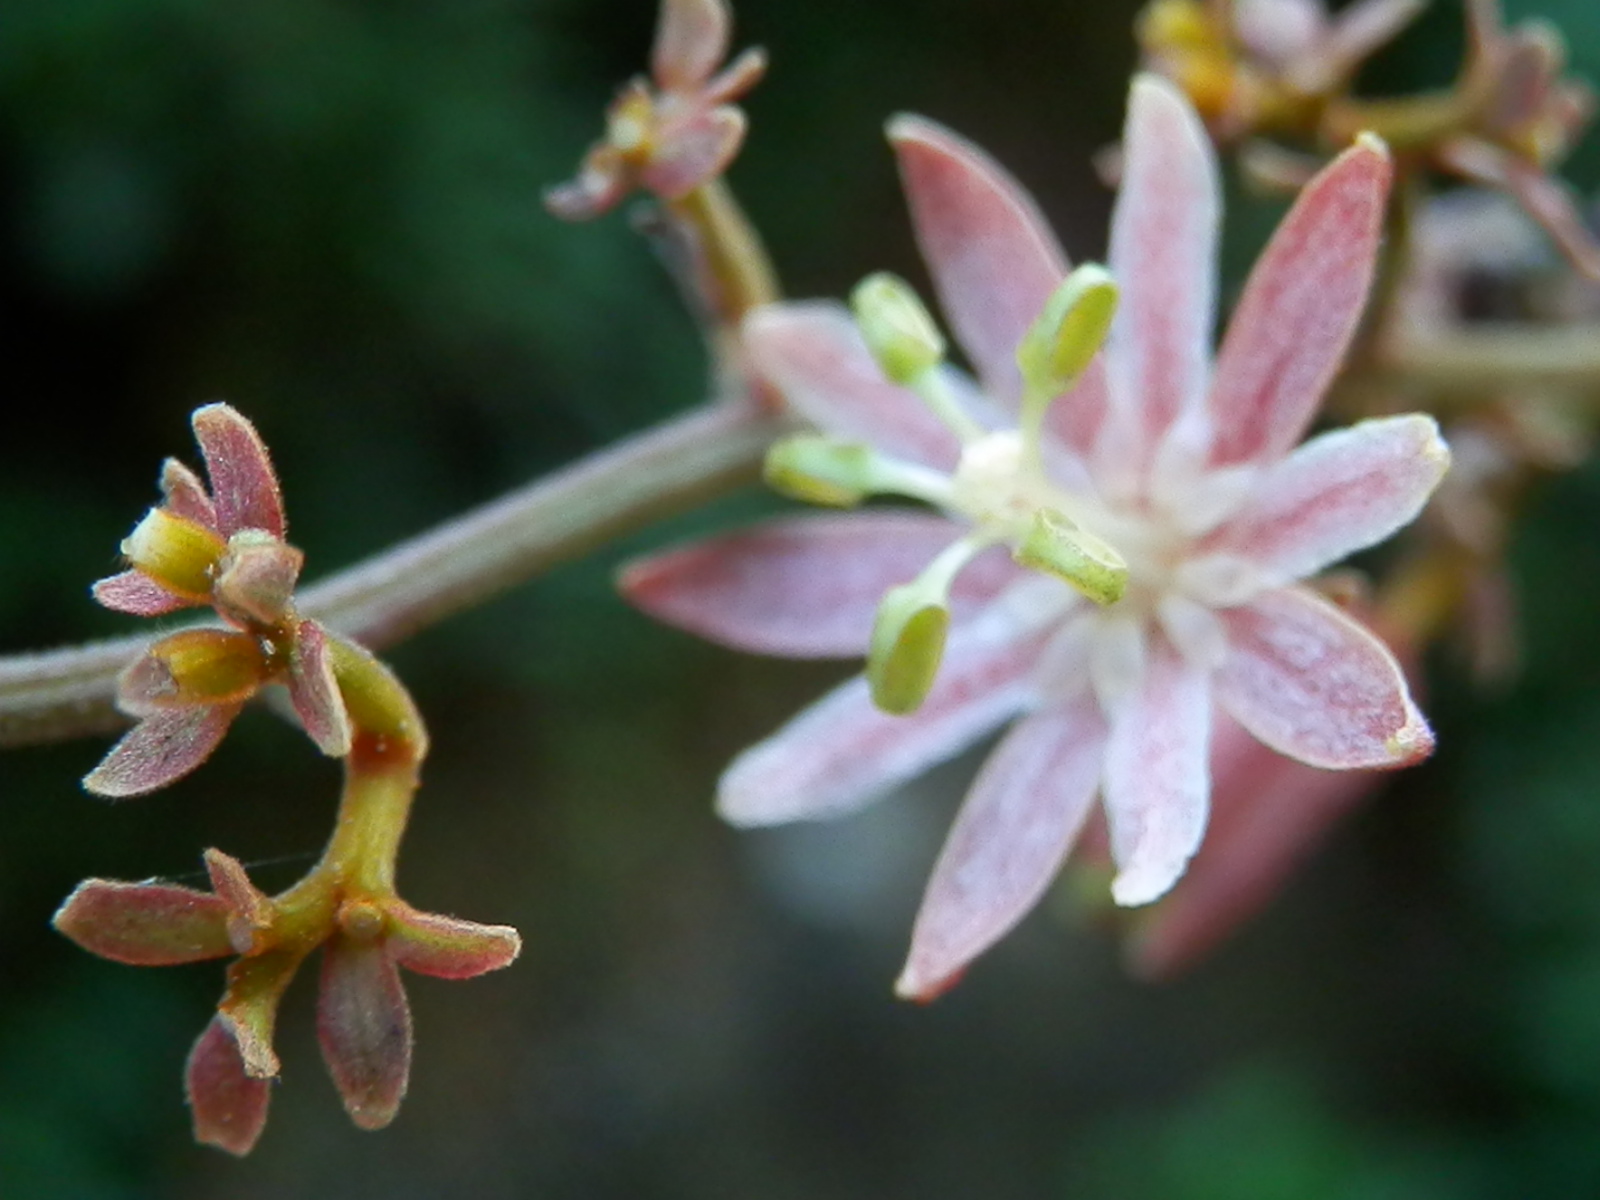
{"points": [[229, 1106], [447, 947], [364, 1027], [803, 587], [993, 258], [135, 592], [145, 924], [1300, 309], [742, 74], [601, 183], [186, 495], [1268, 814], [1338, 493], [694, 152], [1318, 686], [1157, 780], [1013, 833], [314, 693], [842, 752], [161, 748], [1163, 255], [814, 355], [243, 485], [691, 39]]}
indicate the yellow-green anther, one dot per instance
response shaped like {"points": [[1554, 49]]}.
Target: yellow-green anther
{"points": [[1069, 332], [897, 327], [1058, 546], [909, 631], [821, 470], [907, 646], [175, 552]]}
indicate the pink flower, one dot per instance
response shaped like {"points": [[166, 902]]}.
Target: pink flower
{"points": [[680, 135], [1187, 468], [363, 1018], [221, 548]]}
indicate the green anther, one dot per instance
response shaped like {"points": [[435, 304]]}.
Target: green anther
{"points": [[1058, 546], [907, 646], [1069, 332], [897, 327], [821, 470]]}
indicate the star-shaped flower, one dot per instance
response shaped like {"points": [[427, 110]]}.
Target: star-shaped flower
{"points": [[671, 139], [224, 549], [1164, 487]]}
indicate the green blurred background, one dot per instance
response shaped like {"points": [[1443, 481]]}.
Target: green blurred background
{"points": [[326, 212]]}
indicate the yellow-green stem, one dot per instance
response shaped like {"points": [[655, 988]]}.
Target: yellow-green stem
{"points": [[735, 260]]}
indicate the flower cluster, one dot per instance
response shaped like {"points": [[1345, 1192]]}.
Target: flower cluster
{"points": [[674, 137], [1119, 539], [223, 547], [1283, 69]]}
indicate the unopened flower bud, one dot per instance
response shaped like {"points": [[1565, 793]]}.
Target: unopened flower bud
{"points": [[177, 553], [907, 646], [821, 470], [1056, 545], [1068, 334], [256, 577], [195, 666], [897, 327]]}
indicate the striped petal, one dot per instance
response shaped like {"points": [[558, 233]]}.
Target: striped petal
{"points": [[993, 258], [1338, 493], [1300, 309], [1013, 832], [1318, 686], [1163, 255], [1157, 777], [842, 752], [803, 587]]}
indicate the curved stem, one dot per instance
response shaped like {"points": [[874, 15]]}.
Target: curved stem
{"points": [[707, 452]]}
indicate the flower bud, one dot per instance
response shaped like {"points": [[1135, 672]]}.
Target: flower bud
{"points": [[897, 327], [177, 553], [256, 577], [1056, 545], [1068, 333], [195, 666]]}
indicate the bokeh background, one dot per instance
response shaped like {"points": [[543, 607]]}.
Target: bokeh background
{"points": [[326, 212]]}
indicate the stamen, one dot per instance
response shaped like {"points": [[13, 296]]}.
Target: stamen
{"points": [[823, 470], [908, 347], [1058, 545], [909, 634], [1059, 346]]}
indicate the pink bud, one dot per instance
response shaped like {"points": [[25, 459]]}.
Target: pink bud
{"points": [[447, 947], [228, 1105], [364, 1026], [145, 924]]}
